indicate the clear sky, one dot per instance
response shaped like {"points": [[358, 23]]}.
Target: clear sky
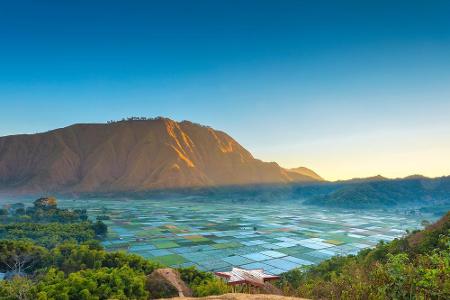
{"points": [[347, 88]]}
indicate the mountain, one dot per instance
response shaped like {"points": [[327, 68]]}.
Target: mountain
{"points": [[307, 172], [133, 155]]}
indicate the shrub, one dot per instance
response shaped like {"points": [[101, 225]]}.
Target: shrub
{"points": [[214, 286]]}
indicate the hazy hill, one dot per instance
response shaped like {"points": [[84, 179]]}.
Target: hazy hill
{"points": [[385, 193], [131, 156], [307, 172], [364, 179]]}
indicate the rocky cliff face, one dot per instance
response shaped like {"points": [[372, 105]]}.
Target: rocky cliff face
{"points": [[131, 156]]}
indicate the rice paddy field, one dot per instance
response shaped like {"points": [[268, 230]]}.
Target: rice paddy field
{"points": [[216, 236]]}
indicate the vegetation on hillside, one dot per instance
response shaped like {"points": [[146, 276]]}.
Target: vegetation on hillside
{"points": [[44, 210], [414, 267], [386, 193], [50, 253], [47, 225], [44, 259]]}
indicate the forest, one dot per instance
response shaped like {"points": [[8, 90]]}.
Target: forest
{"points": [[52, 253]]}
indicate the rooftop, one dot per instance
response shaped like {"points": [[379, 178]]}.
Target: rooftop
{"points": [[253, 277]]}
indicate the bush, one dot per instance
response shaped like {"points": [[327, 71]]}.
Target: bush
{"points": [[105, 283], [414, 267], [214, 286], [192, 276], [18, 288], [100, 228]]}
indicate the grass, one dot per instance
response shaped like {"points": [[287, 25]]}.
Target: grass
{"points": [[170, 260], [196, 238], [334, 242], [165, 245], [226, 245], [294, 250]]}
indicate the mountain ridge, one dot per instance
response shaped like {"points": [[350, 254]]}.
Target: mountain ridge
{"points": [[132, 155]]}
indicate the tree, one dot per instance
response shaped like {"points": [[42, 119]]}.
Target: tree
{"points": [[17, 205], [105, 283], [46, 203], [20, 257], [136, 262], [20, 211], [425, 223], [48, 234], [70, 257], [213, 286], [18, 288], [100, 228]]}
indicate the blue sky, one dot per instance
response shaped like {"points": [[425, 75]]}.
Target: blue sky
{"points": [[348, 88]]}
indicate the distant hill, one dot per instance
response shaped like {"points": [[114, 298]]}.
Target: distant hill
{"points": [[307, 172], [385, 193], [416, 176], [365, 179], [134, 155]]}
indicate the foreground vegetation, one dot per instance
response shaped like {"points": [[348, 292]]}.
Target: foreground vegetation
{"points": [[414, 267], [50, 253]]}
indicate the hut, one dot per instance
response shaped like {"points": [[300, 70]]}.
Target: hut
{"points": [[246, 280]]}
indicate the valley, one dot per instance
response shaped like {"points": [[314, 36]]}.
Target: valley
{"points": [[277, 237]]}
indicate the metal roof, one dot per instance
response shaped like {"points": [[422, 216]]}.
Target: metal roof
{"points": [[239, 276]]}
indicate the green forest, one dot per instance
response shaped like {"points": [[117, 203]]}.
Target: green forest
{"points": [[52, 253]]}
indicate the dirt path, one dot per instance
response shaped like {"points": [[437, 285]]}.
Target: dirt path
{"points": [[173, 277]]}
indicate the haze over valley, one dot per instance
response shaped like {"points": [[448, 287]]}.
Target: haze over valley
{"points": [[140, 158]]}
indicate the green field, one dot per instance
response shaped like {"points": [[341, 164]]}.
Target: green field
{"points": [[219, 235]]}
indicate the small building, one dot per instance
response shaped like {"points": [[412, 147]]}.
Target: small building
{"points": [[246, 278]]}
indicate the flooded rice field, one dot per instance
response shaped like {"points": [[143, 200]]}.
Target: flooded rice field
{"points": [[218, 235]]}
